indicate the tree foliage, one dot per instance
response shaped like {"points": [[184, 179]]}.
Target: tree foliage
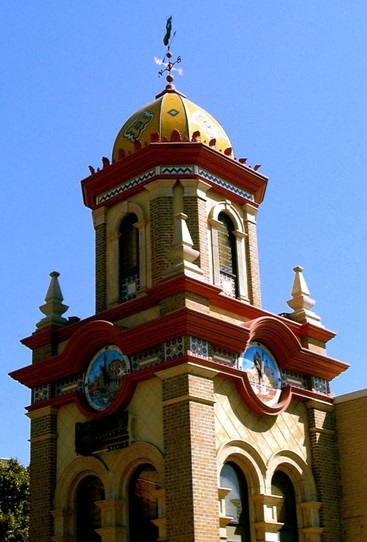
{"points": [[14, 501]]}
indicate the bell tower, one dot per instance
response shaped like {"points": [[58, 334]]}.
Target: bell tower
{"points": [[174, 202], [181, 410]]}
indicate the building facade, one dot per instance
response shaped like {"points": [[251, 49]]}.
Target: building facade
{"points": [[181, 410]]}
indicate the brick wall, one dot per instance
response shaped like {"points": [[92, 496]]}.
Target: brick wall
{"points": [[325, 467], [162, 223], [351, 423], [42, 473], [196, 210], [44, 352], [253, 264], [100, 269], [190, 459]]}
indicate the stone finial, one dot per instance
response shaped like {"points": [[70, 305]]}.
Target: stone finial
{"points": [[53, 309], [182, 254], [301, 302]]}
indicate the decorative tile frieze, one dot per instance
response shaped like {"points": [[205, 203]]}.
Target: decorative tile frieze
{"points": [[228, 284], [199, 348], [225, 184], [174, 348], [320, 385], [145, 359], [293, 379], [125, 186], [225, 358], [68, 385], [41, 393], [130, 287], [177, 170], [173, 170]]}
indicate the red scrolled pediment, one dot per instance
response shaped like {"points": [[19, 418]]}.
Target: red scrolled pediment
{"points": [[79, 350]]}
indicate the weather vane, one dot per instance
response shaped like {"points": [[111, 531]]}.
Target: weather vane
{"points": [[169, 66]]}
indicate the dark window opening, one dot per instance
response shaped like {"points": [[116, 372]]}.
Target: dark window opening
{"points": [[236, 502], [143, 505], [287, 513], [88, 514], [227, 255], [129, 258]]}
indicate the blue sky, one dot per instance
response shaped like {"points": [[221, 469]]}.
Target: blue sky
{"points": [[286, 79]]}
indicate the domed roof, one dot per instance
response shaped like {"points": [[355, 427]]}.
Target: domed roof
{"points": [[170, 112]]}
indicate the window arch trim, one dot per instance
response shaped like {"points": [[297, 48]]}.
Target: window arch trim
{"points": [[118, 214], [242, 283]]}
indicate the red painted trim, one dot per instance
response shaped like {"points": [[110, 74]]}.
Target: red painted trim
{"points": [[276, 335], [239, 378], [170, 154], [93, 335], [84, 343]]}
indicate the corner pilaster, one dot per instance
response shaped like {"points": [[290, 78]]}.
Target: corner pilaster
{"points": [[325, 468], [252, 255], [195, 206], [190, 454], [162, 224], [100, 221], [42, 472]]}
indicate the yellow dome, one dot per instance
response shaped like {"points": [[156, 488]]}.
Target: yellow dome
{"points": [[170, 111]]}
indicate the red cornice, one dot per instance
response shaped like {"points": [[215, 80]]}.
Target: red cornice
{"points": [[170, 154], [88, 337], [239, 378], [93, 335], [85, 337], [282, 341]]}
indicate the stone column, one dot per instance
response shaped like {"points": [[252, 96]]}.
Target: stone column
{"points": [[311, 529], [112, 529], [242, 274], [267, 526], [62, 525]]}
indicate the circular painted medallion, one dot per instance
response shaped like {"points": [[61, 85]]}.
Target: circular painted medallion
{"points": [[104, 377], [262, 371]]}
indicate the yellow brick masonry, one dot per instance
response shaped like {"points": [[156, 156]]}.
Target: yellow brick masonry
{"points": [[195, 207], [162, 224], [351, 418], [325, 467], [42, 472], [190, 455], [99, 221], [252, 257]]}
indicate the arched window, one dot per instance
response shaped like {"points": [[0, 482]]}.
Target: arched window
{"points": [[287, 514], [236, 503], [143, 505], [129, 258], [227, 255], [88, 514]]}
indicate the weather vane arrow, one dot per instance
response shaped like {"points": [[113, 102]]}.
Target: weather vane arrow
{"points": [[169, 66], [167, 36]]}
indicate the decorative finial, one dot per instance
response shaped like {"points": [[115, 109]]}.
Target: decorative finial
{"points": [[169, 66], [182, 254], [53, 309], [301, 302]]}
